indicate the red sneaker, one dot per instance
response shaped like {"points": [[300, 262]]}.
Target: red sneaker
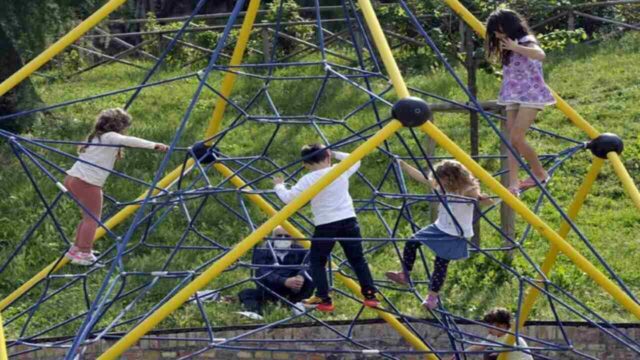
{"points": [[372, 303], [326, 306], [315, 302]]}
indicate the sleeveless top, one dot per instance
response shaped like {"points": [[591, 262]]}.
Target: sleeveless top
{"points": [[463, 213], [523, 80]]}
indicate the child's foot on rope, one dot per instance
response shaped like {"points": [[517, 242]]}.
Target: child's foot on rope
{"points": [[81, 258], [324, 305], [529, 183], [431, 302], [398, 277]]}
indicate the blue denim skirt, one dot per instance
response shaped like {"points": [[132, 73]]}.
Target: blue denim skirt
{"points": [[446, 246]]}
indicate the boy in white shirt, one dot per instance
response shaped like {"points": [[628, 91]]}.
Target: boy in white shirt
{"points": [[500, 319], [334, 217]]}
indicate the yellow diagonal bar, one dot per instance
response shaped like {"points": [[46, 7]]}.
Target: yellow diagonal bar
{"points": [[552, 254], [383, 48], [625, 178], [353, 286], [114, 221], [59, 45], [247, 243], [236, 59], [540, 226], [3, 343], [126, 212]]}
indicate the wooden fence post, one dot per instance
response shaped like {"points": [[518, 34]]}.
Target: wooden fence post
{"points": [[571, 20], [266, 45]]}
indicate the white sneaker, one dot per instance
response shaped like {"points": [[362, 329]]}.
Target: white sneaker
{"points": [[80, 258]]}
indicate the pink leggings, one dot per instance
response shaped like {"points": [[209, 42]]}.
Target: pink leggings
{"points": [[90, 196]]}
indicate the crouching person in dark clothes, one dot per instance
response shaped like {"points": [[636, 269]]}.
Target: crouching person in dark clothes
{"points": [[291, 282]]}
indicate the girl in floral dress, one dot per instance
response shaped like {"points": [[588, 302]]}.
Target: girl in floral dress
{"points": [[523, 92]]}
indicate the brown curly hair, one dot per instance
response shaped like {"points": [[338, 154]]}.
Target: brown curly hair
{"points": [[498, 316], [454, 177], [109, 120]]}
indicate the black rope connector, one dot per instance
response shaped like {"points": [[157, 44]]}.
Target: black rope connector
{"points": [[604, 144], [411, 111], [203, 153]]}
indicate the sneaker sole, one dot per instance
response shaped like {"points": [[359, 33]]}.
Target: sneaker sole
{"points": [[324, 309], [371, 303]]}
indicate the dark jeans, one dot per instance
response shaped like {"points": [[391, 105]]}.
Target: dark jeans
{"points": [[254, 299], [321, 249]]}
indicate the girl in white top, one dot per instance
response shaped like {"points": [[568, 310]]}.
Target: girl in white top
{"points": [[444, 237], [87, 176]]}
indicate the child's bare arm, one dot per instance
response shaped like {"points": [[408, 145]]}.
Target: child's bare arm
{"points": [[413, 173], [530, 50], [483, 199]]}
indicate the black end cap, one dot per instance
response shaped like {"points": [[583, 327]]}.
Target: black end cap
{"points": [[604, 144], [411, 111], [203, 153]]}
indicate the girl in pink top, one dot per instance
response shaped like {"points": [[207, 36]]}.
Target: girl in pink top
{"points": [[523, 91], [85, 178]]}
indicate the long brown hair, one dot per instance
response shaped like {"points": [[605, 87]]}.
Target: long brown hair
{"points": [[116, 120], [454, 177], [506, 21]]}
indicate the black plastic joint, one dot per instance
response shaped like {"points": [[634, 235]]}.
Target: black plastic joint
{"points": [[604, 144], [411, 111], [203, 153]]}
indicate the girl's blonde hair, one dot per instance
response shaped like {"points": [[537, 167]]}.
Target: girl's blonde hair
{"points": [[454, 177], [109, 120]]}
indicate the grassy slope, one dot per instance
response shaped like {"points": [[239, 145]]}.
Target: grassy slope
{"points": [[602, 84]]}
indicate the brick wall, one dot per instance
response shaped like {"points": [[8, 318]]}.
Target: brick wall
{"points": [[371, 333]]}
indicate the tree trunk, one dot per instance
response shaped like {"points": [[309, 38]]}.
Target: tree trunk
{"points": [[23, 96]]}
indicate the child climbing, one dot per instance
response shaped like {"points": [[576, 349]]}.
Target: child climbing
{"points": [[444, 237], [523, 92], [500, 321], [87, 176], [334, 217]]}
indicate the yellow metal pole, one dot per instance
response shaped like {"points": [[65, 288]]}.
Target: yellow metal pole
{"points": [[383, 48], [114, 221], [247, 243], [537, 223], [3, 344], [552, 254], [468, 17], [349, 283], [59, 45], [625, 178], [236, 58]]}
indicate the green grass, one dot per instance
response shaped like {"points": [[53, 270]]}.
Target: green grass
{"points": [[600, 82]]}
